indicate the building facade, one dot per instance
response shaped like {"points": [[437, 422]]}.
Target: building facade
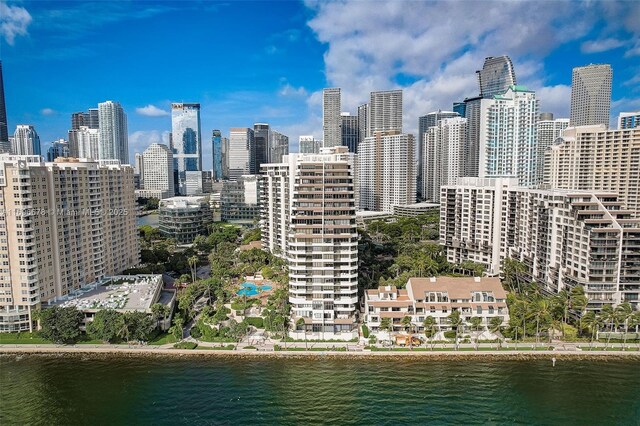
{"points": [[25, 141], [184, 218], [84, 143], [496, 75], [216, 142], [157, 170], [241, 152], [385, 111], [63, 225], [350, 132], [594, 158], [548, 130], [113, 139], [59, 148], [240, 199], [591, 95], [186, 143], [4, 130], [629, 120], [309, 145], [331, 120], [278, 147], [563, 237], [308, 217], [424, 123]]}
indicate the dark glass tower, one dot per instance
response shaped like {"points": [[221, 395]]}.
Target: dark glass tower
{"points": [[4, 134]]}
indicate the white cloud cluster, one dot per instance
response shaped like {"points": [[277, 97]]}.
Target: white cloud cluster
{"points": [[47, 111], [603, 45], [14, 21], [289, 90], [152, 111], [141, 139]]}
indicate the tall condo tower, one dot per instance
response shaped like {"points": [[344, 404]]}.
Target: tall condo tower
{"points": [[157, 170], [385, 111], [591, 95], [496, 75], [350, 132], [185, 141], [216, 141], [4, 132], [26, 141], [114, 140], [331, 121], [261, 135], [424, 123], [241, 152]]}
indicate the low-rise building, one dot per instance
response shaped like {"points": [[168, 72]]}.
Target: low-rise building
{"points": [[437, 297], [416, 209], [184, 218], [239, 200]]}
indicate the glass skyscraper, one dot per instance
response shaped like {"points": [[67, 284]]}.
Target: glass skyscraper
{"points": [[216, 140], [496, 75], [185, 140]]}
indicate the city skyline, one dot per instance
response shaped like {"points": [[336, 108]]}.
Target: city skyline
{"points": [[284, 87]]}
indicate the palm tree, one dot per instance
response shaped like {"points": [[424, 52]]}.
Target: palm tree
{"points": [[578, 301], [429, 328], [624, 313], [385, 324], [593, 323], [607, 316], [541, 310], [193, 263], [495, 326], [513, 270], [301, 323], [456, 321]]}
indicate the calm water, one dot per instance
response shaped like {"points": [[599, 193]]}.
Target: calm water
{"points": [[67, 391], [151, 219]]}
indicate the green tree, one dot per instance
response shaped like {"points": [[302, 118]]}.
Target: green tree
{"points": [[177, 329], [495, 326], [624, 314], [137, 326], [106, 325], [60, 325], [159, 312], [193, 265], [456, 322], [607, 316], [541, 311], [429, 325], [387, 325], [302, 325], [237, 330]]}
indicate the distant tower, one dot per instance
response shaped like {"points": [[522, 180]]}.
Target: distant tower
{"points": [[308, 145], [591, 95], [186, 143], [216, 142], [331, 121], [4, 133], [157, 169], [496, 75], [385, 111], [424, 123], [350, 132], [262, 136], [114, 140], [241, 152], [26, 141]]}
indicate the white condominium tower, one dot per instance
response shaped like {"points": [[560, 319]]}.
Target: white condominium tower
{"points": [[386, 171], [186, 142], [563, 237], [114, 139], [308, 217], [25, 141], [331, 121], [63, 225], [157, 170], [594, 158], [385, 111], [241, 153], [309, 145], [591, 95], [496, 75], [443, 156], [629, 120], [508, 142], [548, 131], [84, 142]]}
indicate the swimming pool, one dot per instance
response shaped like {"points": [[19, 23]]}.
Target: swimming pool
{"points": [[250, 289]]}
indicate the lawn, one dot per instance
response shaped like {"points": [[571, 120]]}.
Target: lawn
{"points": [[216, 348], [22, 339], [162, 339]]}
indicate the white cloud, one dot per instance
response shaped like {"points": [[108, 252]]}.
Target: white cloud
{"points": [[289, 90], [152, 111], [141, 139], [556, 99], [597, 46], [47, 111], [14, 21]]}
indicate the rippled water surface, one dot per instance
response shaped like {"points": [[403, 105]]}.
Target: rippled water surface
{"points": [[97, 391]]}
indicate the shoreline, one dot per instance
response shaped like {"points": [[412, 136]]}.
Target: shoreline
{"points": [[316, 355]]}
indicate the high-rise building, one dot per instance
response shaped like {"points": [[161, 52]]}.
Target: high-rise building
{"points": [[25, 141], [216, 141], [385, 111], [363, 122], [240, 199], [114, 139], [186, 142], [79, 119], [548, 131], [350, 132], [591, 95], [58, 148], [4, 131], [261, 137], [84, 143], [309, 145], [460, 108], [596, 159], [157, 170], [79, 226], [629, 120], [508, 142], [386, 171], [308, 218], [472, 146], [184, 218], [94, 118], [331, 122], [278, 146], [138, 166], [563, 237], [241, 153], [224, 155], [444, 156], [496, 75], [424, 123]]}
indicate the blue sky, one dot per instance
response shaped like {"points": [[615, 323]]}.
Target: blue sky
{"points": [[249, 62]]}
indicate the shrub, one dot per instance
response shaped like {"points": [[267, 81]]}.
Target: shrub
{"points": [[450, 334], [257, 322], [249, 347], [365, 331], [185, 345], [195, 332], [277, 348]]}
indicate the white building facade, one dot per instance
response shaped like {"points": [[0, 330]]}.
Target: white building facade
{"points": [[157, 170]]}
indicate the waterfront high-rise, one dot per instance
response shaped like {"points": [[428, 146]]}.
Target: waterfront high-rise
{"points": [[350, 132], [186, 143], [562, 237], [596, 159], [591, 95], [58, 148], [25, 141], [114, 139], [241, 153], [444, 156], [308, 218], [157, 171], [309, 145], [508, 140], [385, 111], [216, 142], [496, 75], [4, 131], [331, 122], [424, 123], [386, 171], [548, 131], [629, 120], [79, 225]]}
